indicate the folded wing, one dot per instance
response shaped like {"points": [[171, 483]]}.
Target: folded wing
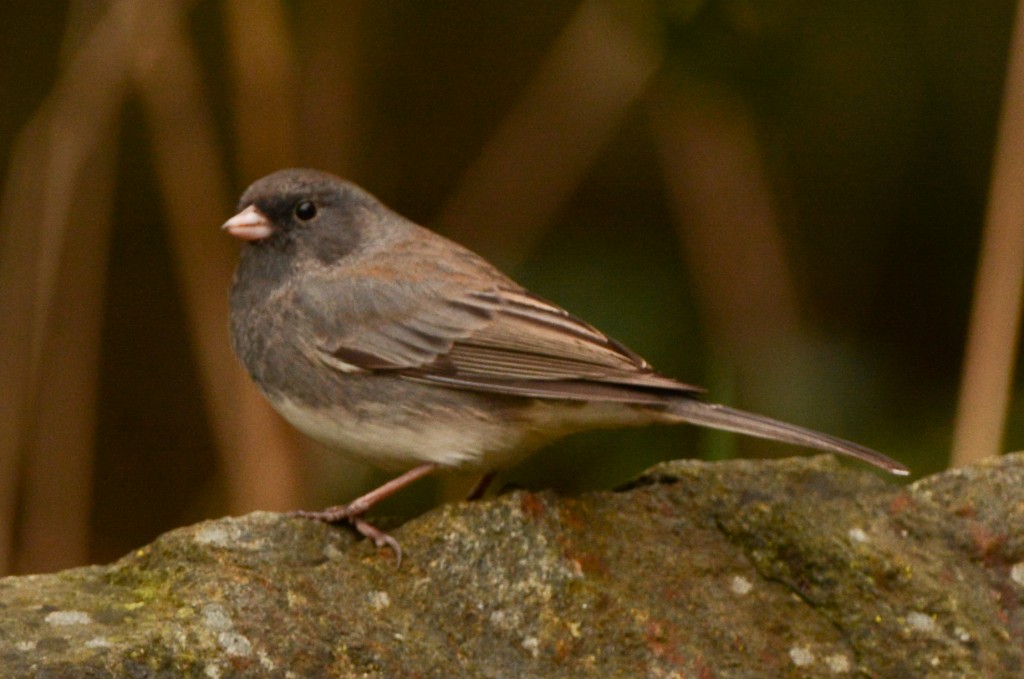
{"points": [[500, 340]]}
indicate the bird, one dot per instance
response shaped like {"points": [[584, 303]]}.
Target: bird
{"points": [[392, 344]]}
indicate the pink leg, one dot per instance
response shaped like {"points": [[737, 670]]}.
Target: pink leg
{"points": [[353, 511]]}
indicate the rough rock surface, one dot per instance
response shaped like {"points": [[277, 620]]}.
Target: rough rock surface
{"points": [[799, 567]]}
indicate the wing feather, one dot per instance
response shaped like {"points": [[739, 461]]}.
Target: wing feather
{"points": [[501, 340]]}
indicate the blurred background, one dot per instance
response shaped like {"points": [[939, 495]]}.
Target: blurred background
{"points": [[783, 201]]}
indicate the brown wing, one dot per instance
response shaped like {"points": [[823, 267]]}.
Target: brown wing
{"points": [[502, 340]]}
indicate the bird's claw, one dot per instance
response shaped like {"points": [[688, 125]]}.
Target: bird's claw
{"points": [[379, 537], [341, 513]]}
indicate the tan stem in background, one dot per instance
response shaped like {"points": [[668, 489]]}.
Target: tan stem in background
{"points": [[730, 237], [597, 69], [256, 449], [58, 465], [52, 156], [332, 32], [330, 127], [265, 94], [266, 103], [996, 314]]}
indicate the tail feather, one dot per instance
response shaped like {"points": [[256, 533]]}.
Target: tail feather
{"points": [[741, 422]]}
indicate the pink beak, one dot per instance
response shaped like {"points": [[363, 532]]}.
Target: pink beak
{"points": [[249, 224]]}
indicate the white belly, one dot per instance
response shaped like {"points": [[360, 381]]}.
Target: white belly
{"points": [[400, 436]]}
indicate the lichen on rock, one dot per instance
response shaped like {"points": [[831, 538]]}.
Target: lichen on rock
{"points": [[798, 567]]}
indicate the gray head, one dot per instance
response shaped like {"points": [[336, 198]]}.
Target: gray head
{"points": [[302, 214]]}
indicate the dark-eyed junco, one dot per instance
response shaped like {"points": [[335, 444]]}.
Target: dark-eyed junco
{"points": [[390, 343]]}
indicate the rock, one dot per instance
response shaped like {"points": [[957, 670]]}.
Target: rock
{"points": [[799, 567]]}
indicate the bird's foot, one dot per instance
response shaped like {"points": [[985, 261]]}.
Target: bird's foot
{"points": [[353, 511], [379, 537], [353, 515]]}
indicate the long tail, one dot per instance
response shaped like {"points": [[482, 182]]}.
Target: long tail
{"points": [[729, 419]]}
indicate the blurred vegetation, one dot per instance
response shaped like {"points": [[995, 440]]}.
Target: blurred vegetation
{"points": [[862, 133]]}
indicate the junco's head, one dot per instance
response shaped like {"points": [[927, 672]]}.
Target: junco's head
{"points": [[304, 214], [391, 343]]}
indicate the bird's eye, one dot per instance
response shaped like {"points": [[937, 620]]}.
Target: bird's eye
{"points": [[305, 210]]}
